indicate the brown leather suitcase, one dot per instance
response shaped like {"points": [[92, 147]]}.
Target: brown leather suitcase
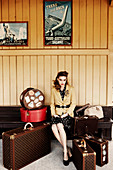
{"points": [[84, 157], [85, 124], [100, 146], [23, 146]]}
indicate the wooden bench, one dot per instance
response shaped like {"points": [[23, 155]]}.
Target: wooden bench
{"points": [[10, 118]]}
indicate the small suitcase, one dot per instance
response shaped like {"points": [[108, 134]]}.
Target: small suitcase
{"points": [[84, 157], [33, 115], [23, 146], [85, 124], [100, 146]]}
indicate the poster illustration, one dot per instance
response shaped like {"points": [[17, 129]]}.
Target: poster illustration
{"points": [[58, 22], [13, 33]]}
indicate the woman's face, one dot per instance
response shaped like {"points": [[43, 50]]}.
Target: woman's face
{"points": [[62, 80]]}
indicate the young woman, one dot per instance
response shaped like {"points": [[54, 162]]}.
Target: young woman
{"points": [[62, 106]]}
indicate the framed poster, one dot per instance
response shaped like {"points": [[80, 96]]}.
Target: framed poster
{"points": [[57, 22], [13, 33]]}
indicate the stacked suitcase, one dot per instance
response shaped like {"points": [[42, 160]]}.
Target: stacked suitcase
{"points": [[84, 156], [33, 109], [85, 129], [23, 146]]}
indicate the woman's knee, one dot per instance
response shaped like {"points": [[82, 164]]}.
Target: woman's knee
{"points": [[54, 127], [60, 127]]}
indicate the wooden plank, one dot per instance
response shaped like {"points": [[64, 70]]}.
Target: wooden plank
{"points": [[61, 63], [25, 11], [6, 80], [75, 77], [5, 10], [5, 14], [104, 20], [41, 73], [47, 79], [54, 67], [82, 23], [33, 77], [1, 81], [19, 15], [96, 76], [68, 68], [96, 23], [18, 10], [103, 81], [12, 14], [33, 23], [82, 80], [26, 67], [20, 84], [109, 80], [76, 24], [12, 80], [90, 23], [88, 78], [39, 24], [55, 52]]}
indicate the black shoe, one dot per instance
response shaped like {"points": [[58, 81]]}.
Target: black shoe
{"points": [[66, 162]]}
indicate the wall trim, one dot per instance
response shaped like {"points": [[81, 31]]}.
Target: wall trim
{"points": [[31, 52]]}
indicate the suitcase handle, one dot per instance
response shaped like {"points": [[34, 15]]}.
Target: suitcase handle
{"points": [[28, 124]]}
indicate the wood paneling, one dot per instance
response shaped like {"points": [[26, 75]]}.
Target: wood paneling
{"points": [[88, 60]]}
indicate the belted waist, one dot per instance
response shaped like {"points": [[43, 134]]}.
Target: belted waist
{"points": [[64, 106]]}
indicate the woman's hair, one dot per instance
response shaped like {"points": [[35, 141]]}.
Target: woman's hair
{"points": [[56, 83]]}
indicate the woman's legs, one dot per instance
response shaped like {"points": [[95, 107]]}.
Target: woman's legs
{"points": [[60, 134]]}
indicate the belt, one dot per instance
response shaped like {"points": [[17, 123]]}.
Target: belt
{"points": [[65, 106]]}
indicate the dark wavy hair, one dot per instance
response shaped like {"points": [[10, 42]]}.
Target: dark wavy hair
{"points": [[56, 83]]}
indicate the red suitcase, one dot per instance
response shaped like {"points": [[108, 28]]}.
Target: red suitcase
{"points": [[100, 146], [33, 115], [21, 147], [84, 157]]}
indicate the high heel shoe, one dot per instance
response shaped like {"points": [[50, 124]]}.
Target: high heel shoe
{"points": [[66, 162]]}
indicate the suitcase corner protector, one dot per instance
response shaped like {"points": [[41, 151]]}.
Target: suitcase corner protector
{"points": [[94, 153], [12, 137], [3, 133], [85, 154]]}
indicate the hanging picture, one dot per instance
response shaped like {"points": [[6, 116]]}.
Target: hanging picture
{"points": [[13, 33], [57, 22]]}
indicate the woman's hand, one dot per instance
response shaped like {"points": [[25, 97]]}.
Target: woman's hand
{"points": [[64, 115], [56, 116]]}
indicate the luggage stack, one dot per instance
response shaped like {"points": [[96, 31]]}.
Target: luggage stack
{"points": [[86, 128], [84, 157], [33, 109]]}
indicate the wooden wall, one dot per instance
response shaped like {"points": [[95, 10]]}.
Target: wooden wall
{"points": [[88, 60]]}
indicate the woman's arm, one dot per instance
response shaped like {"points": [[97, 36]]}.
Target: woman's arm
{"points": [[72, 103], [52, 104]]}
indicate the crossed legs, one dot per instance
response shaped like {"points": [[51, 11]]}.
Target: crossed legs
{"points": [[60, 134]]}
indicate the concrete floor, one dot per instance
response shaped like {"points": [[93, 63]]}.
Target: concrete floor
{"points": [[53, 161]]}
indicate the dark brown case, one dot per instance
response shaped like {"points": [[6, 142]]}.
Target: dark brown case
{"points": [[81, 159], [21, 147], [85, 124], [100, 146]]}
